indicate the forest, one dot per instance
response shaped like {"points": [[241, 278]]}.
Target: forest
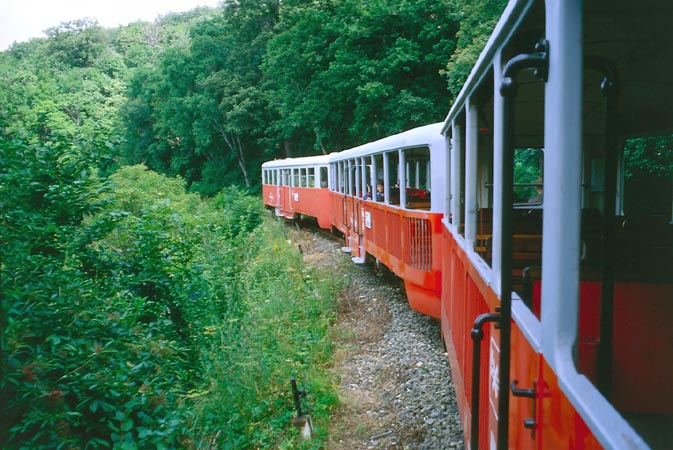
{"points": [[134, 253]]}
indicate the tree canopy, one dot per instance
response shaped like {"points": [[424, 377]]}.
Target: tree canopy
{"points": [[210, 94]]}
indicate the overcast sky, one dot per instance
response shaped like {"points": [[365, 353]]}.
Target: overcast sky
{"points": [[21, 20]]}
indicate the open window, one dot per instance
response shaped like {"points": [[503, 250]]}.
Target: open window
{"points": [[417, 176], [392, 183], [528, 177]]}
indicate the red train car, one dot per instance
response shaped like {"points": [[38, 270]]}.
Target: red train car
{"points": [[557, 273], [551, 272], [296, 187], [382, 201]]}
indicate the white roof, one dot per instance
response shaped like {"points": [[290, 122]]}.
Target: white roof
{"points": [[305, 161], [425, 135]]}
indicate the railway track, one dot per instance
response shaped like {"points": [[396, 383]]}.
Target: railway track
{"points": [[395, 381]]}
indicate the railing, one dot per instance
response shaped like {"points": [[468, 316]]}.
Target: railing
{"points": [[418, 239]]}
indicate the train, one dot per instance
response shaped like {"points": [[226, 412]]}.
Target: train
{"points": [[514, 222]]}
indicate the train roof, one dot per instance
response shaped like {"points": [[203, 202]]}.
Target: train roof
{"points": [[614, 31], [425, 135], [304, 161], [510, 17]]}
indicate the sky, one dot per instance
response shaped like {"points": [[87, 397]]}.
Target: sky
{"points": [[21, 20]]}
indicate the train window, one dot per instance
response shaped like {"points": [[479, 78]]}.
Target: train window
{"points": [[377, 173], [648, 165], [302, 177], [357, 178], [417, 180], [350, 177], [333, 180], [528, 180], [480, 180], [323, 177], [392, 183], [367, 185], [458, 175], [341, 186]]}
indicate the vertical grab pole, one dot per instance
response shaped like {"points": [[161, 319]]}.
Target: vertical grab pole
{"points": [[610, 89], [506, 200], [538, 61], [477, 335]]}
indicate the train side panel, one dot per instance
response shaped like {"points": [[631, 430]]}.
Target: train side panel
{"points": [[271, 195], [313, 202], [407, 242]]}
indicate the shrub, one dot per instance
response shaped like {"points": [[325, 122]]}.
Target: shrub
{"points": [[136, 315], [283, 332]]}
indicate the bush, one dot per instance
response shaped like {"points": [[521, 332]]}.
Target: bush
{"points": [[136, 315], [283, 332]]}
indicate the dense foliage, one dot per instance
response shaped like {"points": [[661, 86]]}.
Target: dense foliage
{"points": [[210, 94], [136, 315]]}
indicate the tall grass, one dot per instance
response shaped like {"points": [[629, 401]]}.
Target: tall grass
{"points": [[284, 331]]}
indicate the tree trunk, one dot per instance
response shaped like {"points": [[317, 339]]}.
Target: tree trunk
{"points": [[236, 147]]}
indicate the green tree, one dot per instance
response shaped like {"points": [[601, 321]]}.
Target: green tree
{"points": [[77, 43], [201, 113], [379, 61], [477, 21]]}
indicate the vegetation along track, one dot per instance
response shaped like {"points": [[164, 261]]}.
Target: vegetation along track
{"points": [[395, 384]]}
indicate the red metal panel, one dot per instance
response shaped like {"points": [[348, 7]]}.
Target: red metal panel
{"points": [[312, 202], [474, 306], [394, 233], [642, 379], [270, 195], [451, 323], [560, 425], [525, 370], [379, 226], [589, 328], [338, 216]]}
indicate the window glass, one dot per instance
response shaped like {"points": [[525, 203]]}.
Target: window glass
{"points": [[392, 184], [528, 176], [311, 177], [323, 177]]}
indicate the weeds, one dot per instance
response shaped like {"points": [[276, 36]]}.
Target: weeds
{"points": [[136, 315]]}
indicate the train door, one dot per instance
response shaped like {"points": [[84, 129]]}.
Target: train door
{"points": [[285, 203], [339, 208], [276, 176], [353, 210]]}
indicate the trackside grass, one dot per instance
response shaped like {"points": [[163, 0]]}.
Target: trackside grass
{"points": [[282, 331]]}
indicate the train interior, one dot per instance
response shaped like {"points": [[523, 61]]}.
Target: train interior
{"points": [[368, 171], [625, 342]]}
